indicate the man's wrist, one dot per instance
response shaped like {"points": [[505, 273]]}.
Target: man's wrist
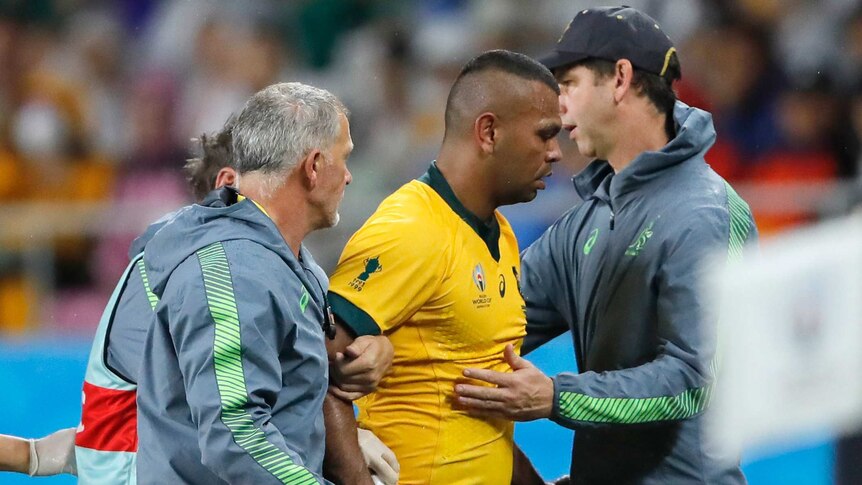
{"points": [[551, 402]]}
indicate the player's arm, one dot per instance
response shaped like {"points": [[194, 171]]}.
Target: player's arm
{"points": [[356, 366], [388, 252], [14, 454], [343, 461], [230, 362], [523, 472], [675, 385]]}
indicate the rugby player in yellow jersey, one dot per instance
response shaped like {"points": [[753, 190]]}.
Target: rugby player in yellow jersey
{"points": [[436, 267]]}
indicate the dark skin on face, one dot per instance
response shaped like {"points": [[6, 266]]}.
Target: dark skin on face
{"points": [[500, 140], [527, 143]]}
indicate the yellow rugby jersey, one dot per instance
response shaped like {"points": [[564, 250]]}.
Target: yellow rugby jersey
{"points": [[443, 287]]}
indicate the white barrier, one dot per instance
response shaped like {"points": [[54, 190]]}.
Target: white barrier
{"points": [[790, 337]]}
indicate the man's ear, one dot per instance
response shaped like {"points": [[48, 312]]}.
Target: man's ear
{"points": [[623, 74], [310, 167], [485, 132], [225, 176]]}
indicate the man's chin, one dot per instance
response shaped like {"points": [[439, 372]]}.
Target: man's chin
{"points": [[525, 197]]}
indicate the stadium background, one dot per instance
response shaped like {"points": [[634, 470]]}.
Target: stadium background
{"points": [[98, 101]]}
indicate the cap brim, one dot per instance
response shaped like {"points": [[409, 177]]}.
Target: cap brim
{"points": [[558, 59]]}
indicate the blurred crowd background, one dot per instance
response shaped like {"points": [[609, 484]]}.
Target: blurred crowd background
{"points": [[99, 101]]}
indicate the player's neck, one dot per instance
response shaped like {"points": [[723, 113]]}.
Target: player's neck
{"points": [[469, 187]]}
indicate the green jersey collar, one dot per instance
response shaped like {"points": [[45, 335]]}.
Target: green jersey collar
{"points": [[489, 233]]}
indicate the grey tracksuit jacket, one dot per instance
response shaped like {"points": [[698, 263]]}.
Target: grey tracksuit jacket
{"points": [[620, 271], [234, 368]]}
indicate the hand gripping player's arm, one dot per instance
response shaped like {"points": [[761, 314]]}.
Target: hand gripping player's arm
{"points": [[357, 365]]}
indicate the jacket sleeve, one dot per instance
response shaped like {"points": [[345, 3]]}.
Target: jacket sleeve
{"points": [[228, 353], [546, 287], [678, 382]]}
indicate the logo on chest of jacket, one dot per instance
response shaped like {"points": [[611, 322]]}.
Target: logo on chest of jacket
{"points": [[591, 241], [304, 299], [372, 265], [637, 246], [481, 283]]}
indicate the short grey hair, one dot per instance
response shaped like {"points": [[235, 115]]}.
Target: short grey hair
{"points": [[282, 123]]}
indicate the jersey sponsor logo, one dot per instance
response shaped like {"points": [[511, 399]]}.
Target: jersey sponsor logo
{"points": [[637, 246], [502, 286], [591, 241], [372, 265]]}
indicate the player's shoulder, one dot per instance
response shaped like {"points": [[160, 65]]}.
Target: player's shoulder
{"points": [[414, 204], [408, 222]]}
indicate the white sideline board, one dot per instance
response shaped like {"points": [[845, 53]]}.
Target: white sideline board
{"points": [[790, 337]]}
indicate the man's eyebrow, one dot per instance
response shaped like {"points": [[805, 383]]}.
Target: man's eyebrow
{"points": [[549, 130]]}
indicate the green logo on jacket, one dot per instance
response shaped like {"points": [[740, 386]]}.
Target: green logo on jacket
{"points": [[591, 241], [304, 299], [635, 248]]}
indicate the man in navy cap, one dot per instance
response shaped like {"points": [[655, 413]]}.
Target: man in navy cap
{"points": [[620, 270]]}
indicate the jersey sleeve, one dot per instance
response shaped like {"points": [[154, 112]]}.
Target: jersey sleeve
{"points": [[387, 271]]}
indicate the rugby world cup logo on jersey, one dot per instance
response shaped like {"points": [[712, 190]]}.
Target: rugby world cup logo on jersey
{"points": [[372, 265], [481, 283], [479, 277]]}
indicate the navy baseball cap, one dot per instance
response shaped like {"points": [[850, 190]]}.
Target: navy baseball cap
{"points": [[614, 33]]}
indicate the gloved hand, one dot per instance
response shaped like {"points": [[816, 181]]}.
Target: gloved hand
{"points": [[53, 454], [379, 458]]}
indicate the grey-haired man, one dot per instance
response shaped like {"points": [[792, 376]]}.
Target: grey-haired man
{"points": [[235, 367]]}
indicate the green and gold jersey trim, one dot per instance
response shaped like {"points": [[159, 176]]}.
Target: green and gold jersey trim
{"points": [[227, 357], [351, 315], [489, 233], [580, 407]]}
